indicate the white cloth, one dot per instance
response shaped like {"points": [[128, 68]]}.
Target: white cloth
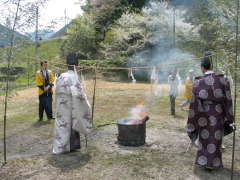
{"points": [[209, 72], [82, 80], [73, 110]]}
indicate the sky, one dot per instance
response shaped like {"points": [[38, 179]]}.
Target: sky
{"points": [[53, 10]]}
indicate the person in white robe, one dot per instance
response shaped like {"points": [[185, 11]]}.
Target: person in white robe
{"points": [[73, 110]]}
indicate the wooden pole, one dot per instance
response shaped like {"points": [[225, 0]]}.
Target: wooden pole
{"points": [[174, 28], [65, 16], [235, 91], [151, 94], [94, 93], [28, 70], [36, 40], [7, 85]]}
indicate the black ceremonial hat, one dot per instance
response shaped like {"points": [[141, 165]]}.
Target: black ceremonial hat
{"points": [[206, 61], [72, 59]]}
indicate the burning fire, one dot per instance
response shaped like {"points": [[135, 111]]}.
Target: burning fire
{"points": [[138, 114]]}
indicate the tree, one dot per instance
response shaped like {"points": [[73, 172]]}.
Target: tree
{"points": [[226, 13], [106, 12], [145, 37], [217, 29], [81, 38], [13, 22]]}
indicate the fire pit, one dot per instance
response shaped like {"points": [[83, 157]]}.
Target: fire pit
{"points": [[132, 132]]}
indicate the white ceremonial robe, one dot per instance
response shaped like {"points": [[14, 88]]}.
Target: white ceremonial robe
{"points": [[73, 111]]}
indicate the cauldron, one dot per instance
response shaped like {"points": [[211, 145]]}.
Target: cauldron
{"points": [[132, 134]]}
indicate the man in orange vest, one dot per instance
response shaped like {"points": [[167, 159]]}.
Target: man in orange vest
{"points": [[44, 82]]}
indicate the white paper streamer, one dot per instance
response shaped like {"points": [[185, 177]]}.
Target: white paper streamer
{"points": [[153, 73], [75, 72], [133, 79], [55, 79], [158, 91], [82, 80], [179, 79]]}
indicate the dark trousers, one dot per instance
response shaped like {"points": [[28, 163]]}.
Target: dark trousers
{"points": [[45, 103], [172, 102], [74, 140]]}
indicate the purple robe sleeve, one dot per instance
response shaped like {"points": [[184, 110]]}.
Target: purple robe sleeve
{"points": [[195, 113], [228, 108]]}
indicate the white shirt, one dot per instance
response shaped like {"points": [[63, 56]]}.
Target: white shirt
{"points": [[209, 72]]}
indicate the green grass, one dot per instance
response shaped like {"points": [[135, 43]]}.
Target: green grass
{"points": [[23, 161], [15, 87], [111, 105], [140, 161]]}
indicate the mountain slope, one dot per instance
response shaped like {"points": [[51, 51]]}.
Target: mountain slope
{"points": [[42, 34], [5, 36], [61, 32]]}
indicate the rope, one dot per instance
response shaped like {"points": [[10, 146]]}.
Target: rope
{"points": [[130, 68]]}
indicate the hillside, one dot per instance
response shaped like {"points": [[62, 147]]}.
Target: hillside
{"points": [[61, 32], [42, 34], [47, 50], [5, 35]]}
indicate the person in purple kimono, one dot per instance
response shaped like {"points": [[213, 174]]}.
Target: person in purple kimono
{"points": [[210, 109]]}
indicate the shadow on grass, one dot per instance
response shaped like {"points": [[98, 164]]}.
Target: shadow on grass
{"points": [[37, 124], [183, 130], [218, 173], [2, 166], [179, 117], [69, 161]]}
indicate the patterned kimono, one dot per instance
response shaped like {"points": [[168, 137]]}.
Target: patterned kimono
{"points": [[73, 113], [210, 109]]}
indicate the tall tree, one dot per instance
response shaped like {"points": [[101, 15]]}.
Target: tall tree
{"points": [[12, 18], [144, 37], [81, 38], [105, 12]]}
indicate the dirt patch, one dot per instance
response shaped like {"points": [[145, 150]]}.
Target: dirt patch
{"points": [[162, 157]]}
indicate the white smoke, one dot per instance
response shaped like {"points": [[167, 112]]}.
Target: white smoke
{"points": [[158, 41]]}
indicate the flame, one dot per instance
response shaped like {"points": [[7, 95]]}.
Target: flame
{"points": [[138, 113], [141, 103]]}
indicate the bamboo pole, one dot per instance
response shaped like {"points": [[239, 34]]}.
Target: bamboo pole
{"points": [[28, 70], [7, 85], [235, 91], [36, 40], [94, 93], [151, 92]]}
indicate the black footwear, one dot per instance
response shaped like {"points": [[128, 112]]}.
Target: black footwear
{"points": [[39, 119], [52, 118], [209, 168]]}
